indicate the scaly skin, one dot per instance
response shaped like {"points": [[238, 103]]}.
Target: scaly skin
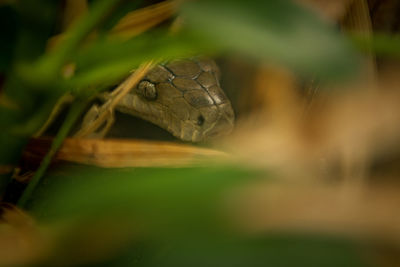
{"points": [[183, 97]]}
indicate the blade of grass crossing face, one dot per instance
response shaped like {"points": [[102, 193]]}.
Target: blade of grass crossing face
{"points": [[75, 110]]}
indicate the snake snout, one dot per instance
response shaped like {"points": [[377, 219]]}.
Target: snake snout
{"points": [[223, 126]]}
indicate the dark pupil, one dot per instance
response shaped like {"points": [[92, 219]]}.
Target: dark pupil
{"points": [[200, 120], [148, 90]]}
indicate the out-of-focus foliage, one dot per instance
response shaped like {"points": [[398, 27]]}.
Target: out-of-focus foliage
{"points": [[157, 217], [282, 32], [152, 195], [277, 31], [175, 217], [383, 45]]}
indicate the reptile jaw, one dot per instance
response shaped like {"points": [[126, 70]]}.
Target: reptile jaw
{"points": [[183, 97]]}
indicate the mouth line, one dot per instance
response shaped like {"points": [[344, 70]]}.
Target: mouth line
{"points": [[186, 130]]}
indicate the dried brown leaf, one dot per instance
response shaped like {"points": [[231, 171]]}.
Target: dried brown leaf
{"points": [[141, 20], [123, 153]]}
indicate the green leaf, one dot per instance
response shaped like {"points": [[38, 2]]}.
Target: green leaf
{"points": [[181, 213], [159, 197], [49, 66], [107, 60], [274, 31], [296, 250], [383, 45]]}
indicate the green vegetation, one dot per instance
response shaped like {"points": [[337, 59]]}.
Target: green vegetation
{"points": [[155, 216]]}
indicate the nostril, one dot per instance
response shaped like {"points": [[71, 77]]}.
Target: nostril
{"points": [[200, 120]]}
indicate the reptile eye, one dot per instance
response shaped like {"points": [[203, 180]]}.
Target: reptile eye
{"points": [[200, 120], [147, 90]]}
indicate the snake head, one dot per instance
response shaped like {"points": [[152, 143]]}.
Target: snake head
{"points": [[185, 98]]}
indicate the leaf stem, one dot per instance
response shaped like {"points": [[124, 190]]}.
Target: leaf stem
{"points": [[73, 114]]}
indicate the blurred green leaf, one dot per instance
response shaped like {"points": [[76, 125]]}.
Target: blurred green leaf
{"points": [[276, 31], [158, 196], [34, 22], [105, 61], [383, 45], [270, 250], [181, 214], [49, 66], [34, 82], [76, 109]]}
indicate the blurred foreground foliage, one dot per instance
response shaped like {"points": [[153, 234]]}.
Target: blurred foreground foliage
{"points": [[152, 217], [170, 217], [283, 33]]}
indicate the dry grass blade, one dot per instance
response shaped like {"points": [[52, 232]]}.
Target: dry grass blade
{"points": [[358, 21], [107, 108], [131, 25], [123, 153], [127, 85], [66, 99], [140, 20], [358, 17]]}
